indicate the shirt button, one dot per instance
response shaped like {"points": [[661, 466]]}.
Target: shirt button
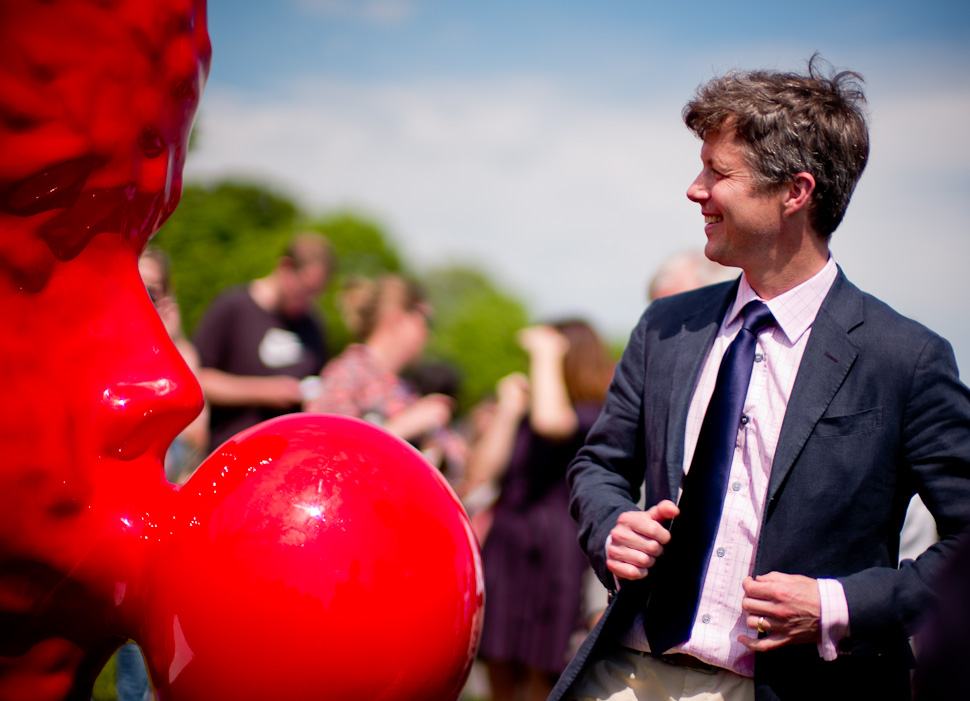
{"points": [[720, 552], [706, 618], [758, 357], [736, 486], [744, 420]]}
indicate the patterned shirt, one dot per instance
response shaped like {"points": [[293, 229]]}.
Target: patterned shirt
{"points": [[354, 384]]}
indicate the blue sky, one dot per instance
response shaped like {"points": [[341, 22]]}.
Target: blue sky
{"points": [[257, 42], [541, 139]]}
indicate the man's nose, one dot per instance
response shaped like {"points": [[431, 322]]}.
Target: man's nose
{"points": [[698, 190]]}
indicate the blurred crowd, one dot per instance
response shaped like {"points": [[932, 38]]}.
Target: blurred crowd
{"points": [[260, 350]]}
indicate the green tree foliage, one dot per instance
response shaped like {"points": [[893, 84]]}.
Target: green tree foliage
{"points": [[474, 329], [361, 248], [220, 235], [230, 232]]}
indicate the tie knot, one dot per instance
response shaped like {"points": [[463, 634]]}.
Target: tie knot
{"points": [[756, 316]]}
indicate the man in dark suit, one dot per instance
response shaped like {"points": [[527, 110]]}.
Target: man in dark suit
{"points": [[849, 409]]}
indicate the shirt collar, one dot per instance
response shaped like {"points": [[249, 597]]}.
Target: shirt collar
{"points": [[794, 310]]}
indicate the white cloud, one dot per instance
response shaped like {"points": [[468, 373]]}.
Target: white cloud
{"points": [[572, 201], [511, 175], [374, 11]]}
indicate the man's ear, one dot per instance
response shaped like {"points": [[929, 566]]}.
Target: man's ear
{"points": [[799, 193]]}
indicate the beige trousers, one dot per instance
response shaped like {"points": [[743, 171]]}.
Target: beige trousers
{"points": [[628, 675]]}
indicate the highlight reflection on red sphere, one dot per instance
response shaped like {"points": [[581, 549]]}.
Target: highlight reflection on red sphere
{"points": [[315, 556]]}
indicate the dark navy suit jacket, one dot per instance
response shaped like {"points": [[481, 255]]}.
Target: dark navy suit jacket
{"points": [[877, 413]]}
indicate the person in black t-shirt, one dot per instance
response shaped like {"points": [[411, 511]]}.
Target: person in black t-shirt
{"points": [[257, 341]]}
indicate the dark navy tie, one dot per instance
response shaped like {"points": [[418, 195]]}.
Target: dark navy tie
{"points": [[679, 573]]}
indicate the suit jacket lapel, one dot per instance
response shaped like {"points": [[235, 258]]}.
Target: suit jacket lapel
{"points": [[693, 343], [828, 357]]}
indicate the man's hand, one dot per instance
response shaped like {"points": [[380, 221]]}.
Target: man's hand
{"points": [[790, 606], [638, 539]]}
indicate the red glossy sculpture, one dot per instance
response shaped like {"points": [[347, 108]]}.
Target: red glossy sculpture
{"points": [[310, 557], [325, 550]]}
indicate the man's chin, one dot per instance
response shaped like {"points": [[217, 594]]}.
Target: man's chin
{"points": [[714, 253]]}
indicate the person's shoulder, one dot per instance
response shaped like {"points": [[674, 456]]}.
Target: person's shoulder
{"points": [[230, 300], [691, 301], [873, 312], [865, 316], [221, 318], [705, 303], [351, 358], [233, 295]]}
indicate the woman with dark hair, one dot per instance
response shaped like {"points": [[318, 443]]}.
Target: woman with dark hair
{"points": [[533, 564]]}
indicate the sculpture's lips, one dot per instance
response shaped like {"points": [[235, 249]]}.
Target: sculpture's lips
{"points": [[25, 585], [29, 608]]}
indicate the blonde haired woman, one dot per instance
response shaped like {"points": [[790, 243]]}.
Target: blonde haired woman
{"points": [[389, 315]]}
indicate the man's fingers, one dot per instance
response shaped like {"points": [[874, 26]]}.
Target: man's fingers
{"points": [[761, 623], [768, 633], [625, 570], [636, 541], [646, 524], [786, 607], [765, 588], [774, 611], [761, 644], [628, 563], [632, 556], [759, 588], [762, 607], [626, 538], [663, 510]]}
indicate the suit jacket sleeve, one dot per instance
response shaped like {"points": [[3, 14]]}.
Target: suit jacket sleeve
{"points": [[877, 413], [935, 461], [638, 441], [607, 473]]}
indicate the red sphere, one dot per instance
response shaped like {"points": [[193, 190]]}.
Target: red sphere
{"points": [[314, 556]]}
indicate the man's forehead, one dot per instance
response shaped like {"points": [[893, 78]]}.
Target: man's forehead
{"points": [[720, 144]]}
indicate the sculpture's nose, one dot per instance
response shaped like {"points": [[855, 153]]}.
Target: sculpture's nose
{"points": [[134, 415]]}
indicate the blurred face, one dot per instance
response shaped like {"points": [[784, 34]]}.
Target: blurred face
{"points": [[741, 222], [97, 102], [413, 329], [300, 287], [153, 278]]}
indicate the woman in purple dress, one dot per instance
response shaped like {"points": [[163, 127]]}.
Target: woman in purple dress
{"points": [[533, 564]]}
